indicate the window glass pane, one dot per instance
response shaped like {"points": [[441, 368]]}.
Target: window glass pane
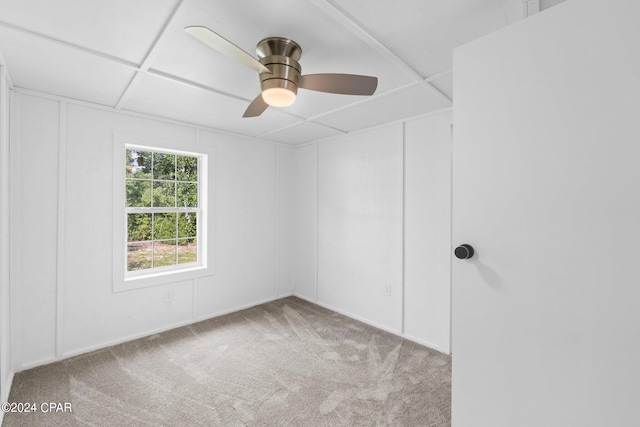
{"points": [[187, 251], [138, 193], [163, 182], [164, 194], [187, 224], [139, 256], [138, 227], [164, 166], [138, 164], [187, 195], [164, 226], [187, 168], [164, 253]]}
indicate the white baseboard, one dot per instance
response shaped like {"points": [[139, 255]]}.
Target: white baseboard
{"points": [[375, 325], [285, 295], [89, 349], [132, 337], [424, 343], [306, 298], [6, 390], [238, 308], [359, 318]]}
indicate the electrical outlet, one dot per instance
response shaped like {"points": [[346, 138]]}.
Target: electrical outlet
{"points": [[387, 290], [168, 297]]}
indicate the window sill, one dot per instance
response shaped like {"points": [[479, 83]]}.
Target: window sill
{"points": [[160, 278]]}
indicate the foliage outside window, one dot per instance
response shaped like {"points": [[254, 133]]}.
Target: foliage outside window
{"points": [[162, 209]]}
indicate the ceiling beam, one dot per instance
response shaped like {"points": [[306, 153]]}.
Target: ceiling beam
{"points": [[148, 116], [193, 84], [302, 121], [102, 55], [313, 119], [151, 55], [344, 18], [438, 76], [365, 100]]}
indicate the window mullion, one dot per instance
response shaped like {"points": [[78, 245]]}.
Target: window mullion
{"points": [[160, 210], [159, 216]]}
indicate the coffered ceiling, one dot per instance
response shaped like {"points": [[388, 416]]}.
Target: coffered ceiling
{"points": [[134, 55]]}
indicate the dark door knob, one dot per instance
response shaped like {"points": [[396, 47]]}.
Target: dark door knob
{"points": [[464, 251]]}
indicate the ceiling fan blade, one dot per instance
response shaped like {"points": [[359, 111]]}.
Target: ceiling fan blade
{"points": [[256, 107], [225, 47], [345, 84]]}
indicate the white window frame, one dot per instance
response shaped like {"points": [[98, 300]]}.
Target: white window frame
{"points": [[124, 280]]}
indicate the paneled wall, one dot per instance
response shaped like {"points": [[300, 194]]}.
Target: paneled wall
{"points": [[427, 231], [61, 287], [338, 222], [360, 225], [5, 370], [305, 208], [372, 226]]}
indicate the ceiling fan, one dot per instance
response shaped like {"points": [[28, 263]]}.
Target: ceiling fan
{"points": [[280, 73]]}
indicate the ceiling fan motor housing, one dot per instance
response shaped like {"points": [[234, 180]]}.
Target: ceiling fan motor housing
{"points": [[281, 56]]}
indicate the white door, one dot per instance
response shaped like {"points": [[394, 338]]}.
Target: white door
{"points": [[546, 188]]}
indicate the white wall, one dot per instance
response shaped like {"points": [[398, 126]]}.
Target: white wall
{"points": [[61, 242], [305, 189], [5, 369], [360, 225], [265, 246], [373, 209], [427, 231], [285, 217]]}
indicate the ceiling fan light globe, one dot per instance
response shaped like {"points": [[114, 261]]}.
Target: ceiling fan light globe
{"points": [[278, 97]]}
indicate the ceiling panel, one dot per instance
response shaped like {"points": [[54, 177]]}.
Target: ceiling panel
{"points": [[311, 103], [327, 47], [301, 133], [410, 101], [60, 70], [91, 50], [424, 32], [120, 28], [170, 99]]}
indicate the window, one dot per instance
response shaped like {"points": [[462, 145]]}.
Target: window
{"points": [[162, 209], [161, 220]]}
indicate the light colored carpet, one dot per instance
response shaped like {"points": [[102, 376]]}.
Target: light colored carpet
{"points": [[284, 363]]}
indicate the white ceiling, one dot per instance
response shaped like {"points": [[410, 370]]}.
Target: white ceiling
{"points": [[133, 55]]}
